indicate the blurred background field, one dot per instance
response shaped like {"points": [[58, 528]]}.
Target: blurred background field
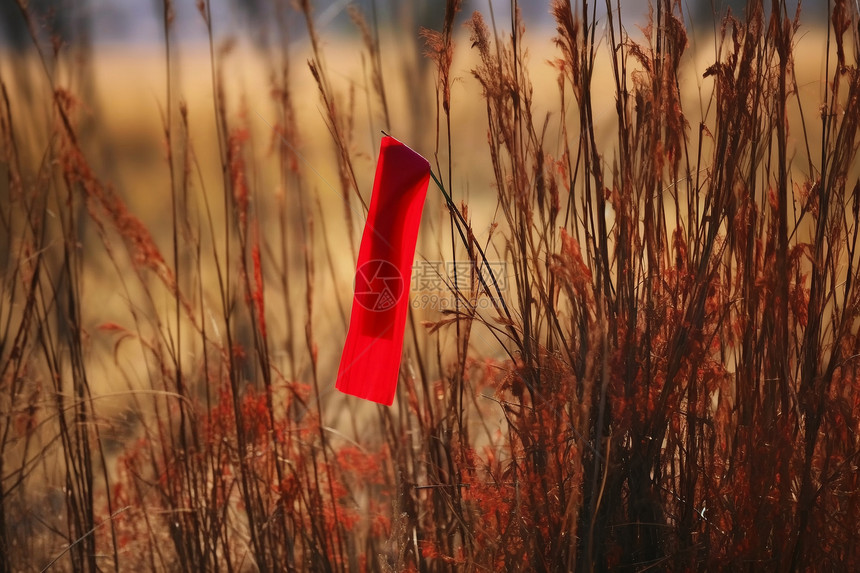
{"points": [[182, 189]]}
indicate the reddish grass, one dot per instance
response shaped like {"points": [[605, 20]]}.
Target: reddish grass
{"points": [[674, 384]]}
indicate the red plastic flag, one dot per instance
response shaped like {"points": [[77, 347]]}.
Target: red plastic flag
{"points": [[370, 362]]}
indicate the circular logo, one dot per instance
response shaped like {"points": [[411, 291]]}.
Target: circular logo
{"points": [[378, 285]]}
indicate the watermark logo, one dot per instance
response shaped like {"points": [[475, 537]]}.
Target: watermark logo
{"points": [[378, 285], [433, 282], [439, 276]]}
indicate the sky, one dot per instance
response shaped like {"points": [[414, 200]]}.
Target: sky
{"points": [[136, 22]]}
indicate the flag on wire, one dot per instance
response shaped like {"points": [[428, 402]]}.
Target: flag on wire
{"points": [[370, 362]]}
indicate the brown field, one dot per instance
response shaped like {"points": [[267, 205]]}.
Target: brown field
{"points": [[667, 380]]}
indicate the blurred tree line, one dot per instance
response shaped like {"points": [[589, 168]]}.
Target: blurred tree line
{"points": [[80, 22]]}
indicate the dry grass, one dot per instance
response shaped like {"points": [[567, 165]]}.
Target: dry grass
{"points": [[665, 379]]}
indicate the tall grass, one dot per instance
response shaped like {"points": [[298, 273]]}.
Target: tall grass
{"points": [[672, 377]]}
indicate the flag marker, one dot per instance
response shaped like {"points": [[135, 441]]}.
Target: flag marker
{"points": [[370, 362]]}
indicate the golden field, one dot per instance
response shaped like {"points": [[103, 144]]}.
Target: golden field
{"points": [[662, 377]]}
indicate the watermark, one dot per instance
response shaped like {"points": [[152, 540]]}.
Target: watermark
{"points": [[438, 276], [433, 282], [378, 285], [447, 302]]}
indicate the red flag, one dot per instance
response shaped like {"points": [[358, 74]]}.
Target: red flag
{"points": [[371, 355]]}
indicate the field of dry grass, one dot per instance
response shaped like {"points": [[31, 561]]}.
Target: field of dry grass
{"points": [[665, 378]]}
